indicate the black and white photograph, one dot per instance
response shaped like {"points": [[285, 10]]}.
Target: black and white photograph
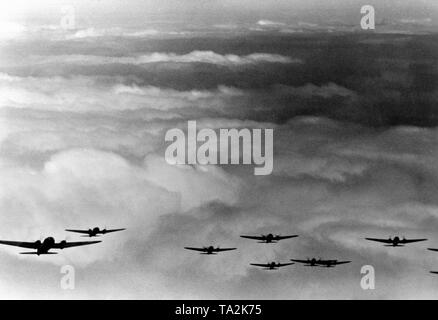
{"points": [[219, 150]]}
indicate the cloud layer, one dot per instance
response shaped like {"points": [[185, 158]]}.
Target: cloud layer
{"points": [[82, 129]]}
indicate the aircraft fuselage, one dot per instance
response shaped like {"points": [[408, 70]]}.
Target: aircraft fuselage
{"points": [[269, 238], [47, 244], [95, 231], [272, 266]]}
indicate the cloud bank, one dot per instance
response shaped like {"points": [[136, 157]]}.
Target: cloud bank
{"points": [[82, 145]]}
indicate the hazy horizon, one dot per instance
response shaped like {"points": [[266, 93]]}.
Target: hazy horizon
{"points": [[84, 111]]}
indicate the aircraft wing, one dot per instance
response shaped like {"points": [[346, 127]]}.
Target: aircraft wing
{"points": [[264, 265], [224, 249], [196, 249], [77, 231], [300, 261], [331, 262], [29, 245], [73, 244], [114, 230], [340, 262], [284, 264], [411, 240], [324, 262], [380, 240], [285, 237], [253, 237]]}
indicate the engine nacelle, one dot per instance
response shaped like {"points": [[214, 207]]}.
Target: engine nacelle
{"points": [[62, 244]]}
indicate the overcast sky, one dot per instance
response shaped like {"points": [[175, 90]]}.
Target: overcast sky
{"points": [[83, 114], [201, 12]]}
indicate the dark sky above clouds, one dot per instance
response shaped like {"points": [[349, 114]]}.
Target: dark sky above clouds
{"points": [[83, 114]]}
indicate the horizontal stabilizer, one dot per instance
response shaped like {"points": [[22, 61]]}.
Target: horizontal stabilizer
{"points": [[37, 253]]}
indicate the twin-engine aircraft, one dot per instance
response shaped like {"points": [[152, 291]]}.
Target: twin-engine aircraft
{"points": [[43, 247], [95, 232], [269, 238], [271, 265], [320, 263], [396, 241], [210, 249]]}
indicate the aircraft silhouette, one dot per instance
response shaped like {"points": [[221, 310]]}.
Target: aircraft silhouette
{"points": [[271, 265], [269, 238], [94, 232], [320, 263], [396, 241], [43, 247], [210, 249]]}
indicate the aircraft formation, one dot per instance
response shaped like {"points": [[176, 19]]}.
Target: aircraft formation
{"points": [[49, 243], [308, 262], [273, 265]]}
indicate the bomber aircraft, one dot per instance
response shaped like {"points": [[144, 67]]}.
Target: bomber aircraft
{"points": [[271, 265], [320, 262], [43, 247], [396, 241], [269, 238], [93, 232], [210, 249]]}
